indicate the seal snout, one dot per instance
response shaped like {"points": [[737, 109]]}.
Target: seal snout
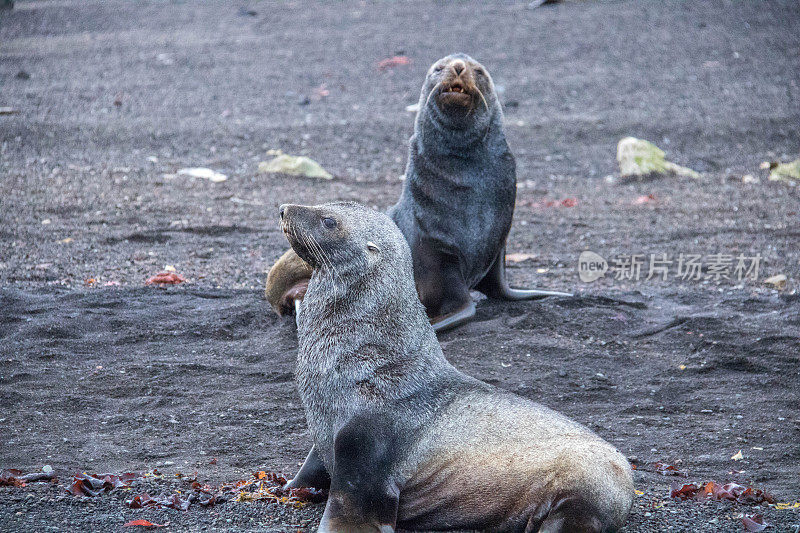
{"points": [[289, 212], [285, 226], [460, 78], [291, 222], [298, 223], [458, 87]]}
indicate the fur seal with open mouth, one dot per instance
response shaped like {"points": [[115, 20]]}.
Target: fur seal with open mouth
{"points": [[458, 198], [459, 193], [401, 437]]}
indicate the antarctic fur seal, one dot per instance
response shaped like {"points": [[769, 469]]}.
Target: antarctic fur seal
{"points": [[458, 198], [401, 437], [457, 202]]}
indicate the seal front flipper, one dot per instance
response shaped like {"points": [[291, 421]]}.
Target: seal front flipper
{"points": [[441, 286], [462, 316], [311, 474], [495, 285], [363, 497]]}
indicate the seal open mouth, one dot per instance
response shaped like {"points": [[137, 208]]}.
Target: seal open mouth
{"points": [[455, 94], [456, 87]]}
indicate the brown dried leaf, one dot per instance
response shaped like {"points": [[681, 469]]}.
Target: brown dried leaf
{"points": [[716, 491], [569, 202], [139, 501], [143, 523], [644, 199], [668, 470], [165, 278], [11, 478], [684, 492], [175, 502], [84, 484], [566, 202], [394, 61], [307, 494], [755, 522]]}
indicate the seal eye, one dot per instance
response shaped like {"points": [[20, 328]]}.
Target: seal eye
{"points": [[439, 68], [329, 223], [372, 247]]}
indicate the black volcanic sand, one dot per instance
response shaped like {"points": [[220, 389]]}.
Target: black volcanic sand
{"points": [[117, 376]]}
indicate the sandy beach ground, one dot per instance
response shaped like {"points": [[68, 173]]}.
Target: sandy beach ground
{"points": [[101, 373]]}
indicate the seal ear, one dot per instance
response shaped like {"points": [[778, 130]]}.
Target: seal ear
{"points": [[372, 247]]}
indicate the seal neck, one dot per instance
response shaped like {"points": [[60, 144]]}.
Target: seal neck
{"points": [[341, 315], [435, 134]]}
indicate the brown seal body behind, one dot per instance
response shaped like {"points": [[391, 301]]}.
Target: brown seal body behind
{"points": [[401, 437], [287, 282]]}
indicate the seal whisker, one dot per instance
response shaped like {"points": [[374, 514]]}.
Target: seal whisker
{"points": [[311, 249], [482, 98], [319, 254], [431, 93], [299, 237], [312, 244], [331, 267], [323, 256]]}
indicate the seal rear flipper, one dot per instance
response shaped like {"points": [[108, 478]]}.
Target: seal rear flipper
{"points": [[312, 474], [570, 515], [495, 285], [363, 497], [462, 316]]}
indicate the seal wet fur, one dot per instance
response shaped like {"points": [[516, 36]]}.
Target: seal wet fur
{"points": [[458, 198], [408, 440]]}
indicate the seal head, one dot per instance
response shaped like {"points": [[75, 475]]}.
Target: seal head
{"points": [[319, 236], [455, 91]]}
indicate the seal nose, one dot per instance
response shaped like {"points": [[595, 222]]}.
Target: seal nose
{"points": [[282, 210], [459, 66]]}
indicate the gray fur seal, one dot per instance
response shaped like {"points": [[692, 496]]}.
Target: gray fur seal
{"points": [[458, 198], [402, 438]]}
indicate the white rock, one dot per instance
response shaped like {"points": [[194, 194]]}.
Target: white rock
{"points": [[776, 282], [637, 157], [294, 166], [204, 173]]}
